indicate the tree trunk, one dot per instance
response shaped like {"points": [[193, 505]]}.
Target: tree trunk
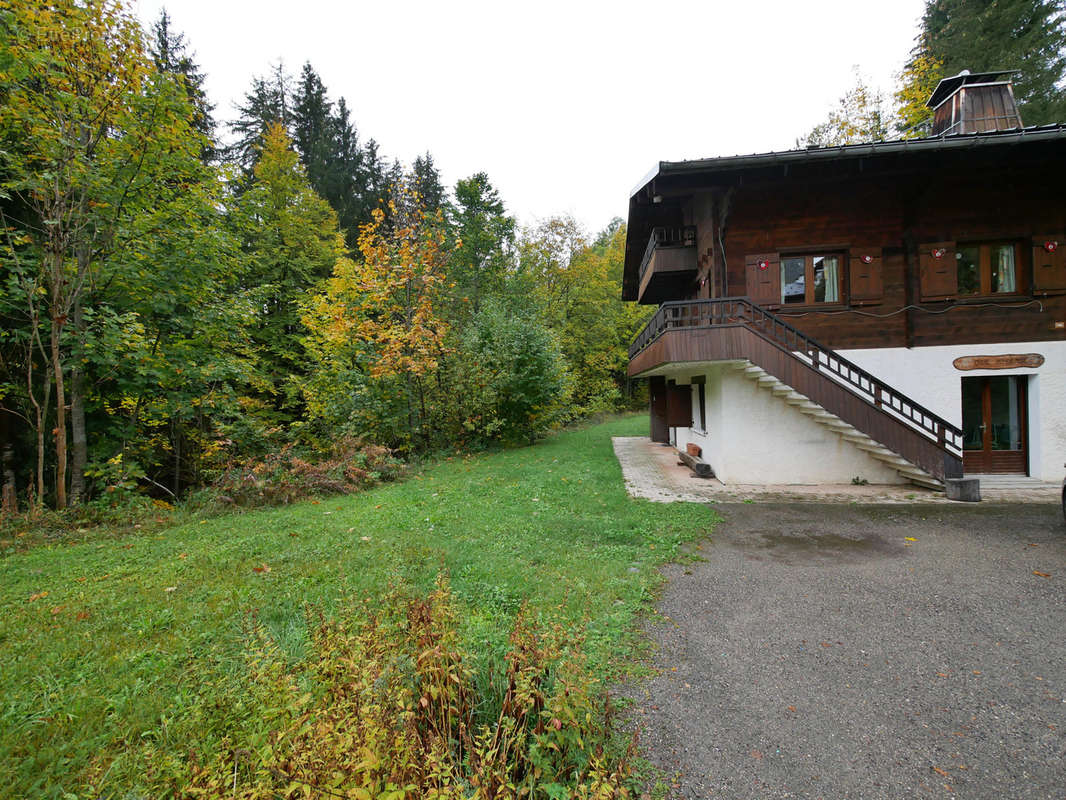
{"points": [[175, 427], [61, 412], [9, 493], [79, 448]]}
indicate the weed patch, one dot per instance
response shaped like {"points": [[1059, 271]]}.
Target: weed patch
{"points": [[385, 705]]}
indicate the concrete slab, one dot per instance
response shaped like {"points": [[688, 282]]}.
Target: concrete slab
{"points": [[651, 471]]}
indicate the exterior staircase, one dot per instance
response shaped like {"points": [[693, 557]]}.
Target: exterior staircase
{"points": [[846, 431], [859, 407]]}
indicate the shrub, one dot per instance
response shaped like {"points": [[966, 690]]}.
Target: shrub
{"points": [[512, 375], [384, 706], [284, 477]]}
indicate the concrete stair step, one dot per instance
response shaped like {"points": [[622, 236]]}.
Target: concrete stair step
{"points": [[926, 481]]}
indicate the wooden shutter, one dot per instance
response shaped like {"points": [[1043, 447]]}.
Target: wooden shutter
{"points": [[762, 273], [865, 276], [1049, 268], [678, 406], [939, 276]]}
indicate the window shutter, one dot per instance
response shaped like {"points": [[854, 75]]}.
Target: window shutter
{"points": [[864, 270], [762, 272], [1049, 268], [678, 406], [939, 275]]}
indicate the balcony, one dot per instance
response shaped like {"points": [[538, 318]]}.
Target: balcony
{"points": [[735, 329], [669, 265]]}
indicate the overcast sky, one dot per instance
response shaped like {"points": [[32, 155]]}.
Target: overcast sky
{"points": [[566, 105]]}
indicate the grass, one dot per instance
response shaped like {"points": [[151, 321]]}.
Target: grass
{"points": [[112, 646]]}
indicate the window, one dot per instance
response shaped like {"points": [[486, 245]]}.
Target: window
{"points": [[810, 279], [987, 268]]}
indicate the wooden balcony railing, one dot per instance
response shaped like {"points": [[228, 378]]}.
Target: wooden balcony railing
{"points": [[732, 312], [667, 237]]}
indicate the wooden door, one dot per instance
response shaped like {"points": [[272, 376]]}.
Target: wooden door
{"points": [[994, 425], [660, 431]]}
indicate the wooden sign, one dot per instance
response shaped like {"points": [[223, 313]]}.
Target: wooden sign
{"points": [[1012, 361]]}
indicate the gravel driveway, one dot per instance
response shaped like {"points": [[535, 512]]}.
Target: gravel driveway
{"points": [[838, 651]]}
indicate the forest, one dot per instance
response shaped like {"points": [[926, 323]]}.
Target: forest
{"points": [[266, 305]]}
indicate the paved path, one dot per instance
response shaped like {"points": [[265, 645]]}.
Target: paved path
{"points": [[864, 651]]}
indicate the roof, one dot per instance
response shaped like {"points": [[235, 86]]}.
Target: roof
{"points": [[672, 178], [812, 154], [947, 86]]}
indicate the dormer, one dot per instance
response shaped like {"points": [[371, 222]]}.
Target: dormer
{"points": [[974, 103]]}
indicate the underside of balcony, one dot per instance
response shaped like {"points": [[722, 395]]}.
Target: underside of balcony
{"points": [[862, 408], [669, 266]]}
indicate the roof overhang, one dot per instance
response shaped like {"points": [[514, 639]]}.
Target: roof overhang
{"points": [[650, 201]]}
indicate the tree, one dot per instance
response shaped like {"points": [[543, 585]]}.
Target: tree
{"points": [[917, 82], [859, 117], [98, 131], [978, 35], [486, 240], [511, 377], [598, 327], [425, 181], [266, 103], [294, 242], [170, 53], [384, 310]]}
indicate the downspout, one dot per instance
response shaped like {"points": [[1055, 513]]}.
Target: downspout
{"points": [[722, 280]]}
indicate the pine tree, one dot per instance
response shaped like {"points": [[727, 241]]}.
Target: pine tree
{"points": [[295, 243], [266, 103], [486, 234], [170, 52], [313, 132], [980, 35], [425, 180]]}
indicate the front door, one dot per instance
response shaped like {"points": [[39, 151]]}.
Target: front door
{"points": [[993, 424]]}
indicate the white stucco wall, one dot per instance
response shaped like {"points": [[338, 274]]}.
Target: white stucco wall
{"points": [[928, 375], [755, 437]]}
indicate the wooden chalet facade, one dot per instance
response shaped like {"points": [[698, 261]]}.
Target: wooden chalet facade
{"points": [[894, 311]]}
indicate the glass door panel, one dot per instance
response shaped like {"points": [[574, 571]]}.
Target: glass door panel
{"points": [[1005, 413], [973, 423]]}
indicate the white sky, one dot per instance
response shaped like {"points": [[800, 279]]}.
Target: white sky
{"points": [[566, 105]]}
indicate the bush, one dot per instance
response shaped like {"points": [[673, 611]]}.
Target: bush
{"points": [[384, 706], [512, 376], [285, 477]]}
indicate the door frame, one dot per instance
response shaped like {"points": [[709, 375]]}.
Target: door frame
{"points": [[989, 461]]}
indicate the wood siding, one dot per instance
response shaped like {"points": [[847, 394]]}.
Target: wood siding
{"points": [[901, 213]]}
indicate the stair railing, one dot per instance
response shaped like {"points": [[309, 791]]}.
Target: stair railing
{"points": [[727, 311]]}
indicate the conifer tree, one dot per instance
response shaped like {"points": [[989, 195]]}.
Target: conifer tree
{"points": [[425, 180], [266, 103], [486, 236], [294, 243], [170, 52], [979, 35]]}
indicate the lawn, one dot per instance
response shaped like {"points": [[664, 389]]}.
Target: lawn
{"points": [[114, 645]]}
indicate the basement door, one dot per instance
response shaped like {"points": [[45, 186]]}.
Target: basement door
{"points": [[994, 425]]}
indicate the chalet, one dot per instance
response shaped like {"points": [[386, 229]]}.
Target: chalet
{"points": [[893, 311]]}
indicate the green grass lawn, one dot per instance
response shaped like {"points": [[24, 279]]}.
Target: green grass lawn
{"points": [[114, 645]]}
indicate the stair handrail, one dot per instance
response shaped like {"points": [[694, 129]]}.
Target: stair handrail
{"points": [[726, 311]]}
